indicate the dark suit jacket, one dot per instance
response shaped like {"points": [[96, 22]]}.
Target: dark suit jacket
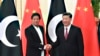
{"points": [[73, 45], [33, 41]]}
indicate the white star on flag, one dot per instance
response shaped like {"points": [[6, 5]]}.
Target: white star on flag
{"points": [[18, 35]]}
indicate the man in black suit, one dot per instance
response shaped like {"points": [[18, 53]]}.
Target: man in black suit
{"points": [[35, 38], [69, 38]]}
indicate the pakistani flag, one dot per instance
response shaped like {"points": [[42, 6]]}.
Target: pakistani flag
{"points": [[54, 21], [55, 16], [10, 44]]}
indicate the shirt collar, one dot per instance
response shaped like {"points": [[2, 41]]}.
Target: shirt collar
{"points": [[35, 26], [68, 27]]}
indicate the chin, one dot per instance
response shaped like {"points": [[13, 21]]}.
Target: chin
{"points": [[36, 24], [66, 25]]}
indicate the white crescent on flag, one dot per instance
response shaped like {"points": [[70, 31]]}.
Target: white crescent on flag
{"points": [[52, 27], [3, 26]]}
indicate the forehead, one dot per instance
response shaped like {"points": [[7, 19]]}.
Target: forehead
{"points": [[36, 16], [66, 16]]}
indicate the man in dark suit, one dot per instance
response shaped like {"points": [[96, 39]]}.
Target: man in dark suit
{"points": [[69, 38], [35, 38]]}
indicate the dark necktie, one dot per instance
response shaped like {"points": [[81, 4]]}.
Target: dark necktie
{"points": [[66, 33]]}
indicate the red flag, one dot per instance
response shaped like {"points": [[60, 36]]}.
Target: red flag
{"points": [[84, 19], [31, 7]]}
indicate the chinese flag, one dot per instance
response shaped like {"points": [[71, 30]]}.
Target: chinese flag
{"points": [[32, 6], [84, 19]]}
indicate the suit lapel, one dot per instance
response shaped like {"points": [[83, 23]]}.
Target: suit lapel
{"points": [[70, 32], [42, 30], [42, 33], [34, 30], [62, 33]]}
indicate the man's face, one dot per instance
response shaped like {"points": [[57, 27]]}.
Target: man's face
{"points": [[66, 20], [35, 20]]}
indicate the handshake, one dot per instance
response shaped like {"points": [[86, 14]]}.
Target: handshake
{"points": [[47, 47]]}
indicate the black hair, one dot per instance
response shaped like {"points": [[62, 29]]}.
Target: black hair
{"points": [[35, 14], [67, 13]]}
